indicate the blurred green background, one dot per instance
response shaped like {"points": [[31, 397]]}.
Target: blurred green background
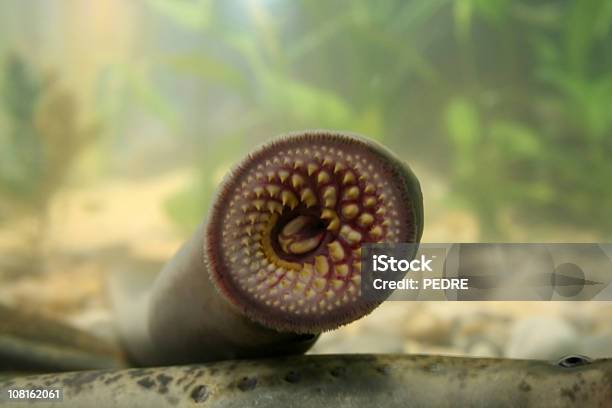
{"points": [[507, 103], [119, 118]]}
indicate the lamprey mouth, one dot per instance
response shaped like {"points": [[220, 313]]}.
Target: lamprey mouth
{"points": [[285, 234]]}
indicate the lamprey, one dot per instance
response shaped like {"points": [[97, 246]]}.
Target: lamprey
{"points": [[341, 381], [278, 259]]}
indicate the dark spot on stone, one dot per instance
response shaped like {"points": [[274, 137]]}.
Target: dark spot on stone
{"points": [[164, 380], [573, 361], [79, 379], [383, 369], [139, 372], [481, 365], [568, 393], [432, 368], [190, 369], [172, 400], [247, 383], [111, 380], [337, 371], [293, 377], [523, 386], [213, 371], [51, 380], [189, 384], [199, 393], [146, 382]]}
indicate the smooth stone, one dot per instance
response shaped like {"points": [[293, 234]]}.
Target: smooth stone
{"points": [[546, 338]]}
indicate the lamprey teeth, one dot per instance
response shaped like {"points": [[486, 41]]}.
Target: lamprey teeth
{"points": [[274, 206], [334, 224], [350, 211], [350, 235], [291, 220], [298, 287], [283, 175], [321, 265], [336, 251], [319, 284], [298, 164], [329, 196], [331, 215], [376, 232], [308, 197], [328, 214], [337, 283], [365, 219], [323, 177], [288, 198], [341, 270], [297, 180], [273, 190], [369, 202], [349, 178], [306, 273], [258, 191], [351, 193]]}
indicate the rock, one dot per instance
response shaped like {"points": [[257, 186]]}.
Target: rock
{"points": [[598, 346], [547, 338], [98, 322], [483, 347], [362, 342], [428, 328]]}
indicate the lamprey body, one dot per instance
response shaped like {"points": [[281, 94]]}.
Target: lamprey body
{"points": [[278, 259]]}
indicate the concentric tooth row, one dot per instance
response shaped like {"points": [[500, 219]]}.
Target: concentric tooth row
{"points": [[352, 205]]}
